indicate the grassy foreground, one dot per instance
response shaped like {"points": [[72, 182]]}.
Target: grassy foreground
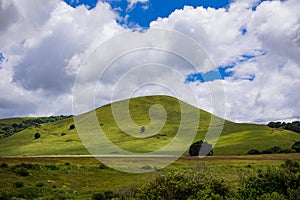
{"points": [[81, 178]]}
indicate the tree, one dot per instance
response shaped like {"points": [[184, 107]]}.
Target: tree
{"points": [[37, 135], [296, 146], [72, 126], [200, 148], [142, 129]]}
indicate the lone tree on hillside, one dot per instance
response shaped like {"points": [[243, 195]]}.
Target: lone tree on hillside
{"points": [[37, 135], [72, 126], [142, 129], [206, 149]]}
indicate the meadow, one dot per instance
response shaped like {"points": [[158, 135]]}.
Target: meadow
{"points": [[57, 165], [83, 177]]}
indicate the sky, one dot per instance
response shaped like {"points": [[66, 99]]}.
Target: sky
{"points": [[254, 46]]}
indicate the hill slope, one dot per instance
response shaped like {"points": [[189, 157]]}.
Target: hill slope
{"points": [[58, 139]]}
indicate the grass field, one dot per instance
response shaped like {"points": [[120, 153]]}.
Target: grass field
{"points": [[57, 139], [79, 178]]}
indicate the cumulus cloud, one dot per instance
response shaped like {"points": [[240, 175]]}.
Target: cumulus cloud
{"points": [[229, 34], [42, 60]]}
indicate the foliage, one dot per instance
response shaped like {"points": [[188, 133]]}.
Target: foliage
{"points": [[19, 184], [21, 171], [72, 126], [296, 146], [10, 129], [275, 149], [4, 165], [104, 195], [142, 129], [275, 183], [200, 148], [183, 184], [37, 135], [294, 126]]}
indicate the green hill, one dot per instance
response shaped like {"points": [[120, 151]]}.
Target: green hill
{"points": [[57, 139]]}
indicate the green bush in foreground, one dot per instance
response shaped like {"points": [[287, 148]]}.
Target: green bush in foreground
{"points": [[184, 184]]}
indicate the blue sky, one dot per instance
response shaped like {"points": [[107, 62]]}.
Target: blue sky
{"points": [[143, 13]]}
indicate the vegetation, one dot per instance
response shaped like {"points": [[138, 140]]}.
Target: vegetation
{"points": [[294, 126], [201, 148], [7, 128], [58, 139], [276, 149], [37, 135], [216, 179]]}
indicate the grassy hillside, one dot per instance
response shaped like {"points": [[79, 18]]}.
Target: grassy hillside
{"points": [[57, 139]]}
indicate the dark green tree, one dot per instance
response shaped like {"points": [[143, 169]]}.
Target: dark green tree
{"points": [[201, 148], [296, 146], [37, 135], [72, 126]]}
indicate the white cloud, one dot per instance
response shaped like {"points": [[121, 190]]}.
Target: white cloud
{"points": [[274, 28], [132, 4], [45, 43], [43, 51]]}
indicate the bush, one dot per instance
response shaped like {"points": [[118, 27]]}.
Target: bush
{"points": [[103, 166], [4, 165], [37, 135], [28, 166], [253, 152], [296, 146], [72, 126], [272, 196], [40, 184], [19, 184], [104, 195], [22, 171], [200, 148], [183, 184], [275, 183], [52, 167]]}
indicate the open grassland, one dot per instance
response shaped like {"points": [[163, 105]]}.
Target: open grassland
{"points": [[81, 177], [57, 138]]}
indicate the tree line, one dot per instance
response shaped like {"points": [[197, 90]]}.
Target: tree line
{"points": [[292, 126], [8, 130]]}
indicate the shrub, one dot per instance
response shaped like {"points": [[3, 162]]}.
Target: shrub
{"points": [[72, 126], [103, 166], [253, 152], [268, 184], [19, 184], [63, 134], [296, 146], [104, 195], [184, 184], [98, 196], [28, 166], [21, 171], [40, 184], [52, 167], [37, 135], [4, 165], [272, 196]]}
